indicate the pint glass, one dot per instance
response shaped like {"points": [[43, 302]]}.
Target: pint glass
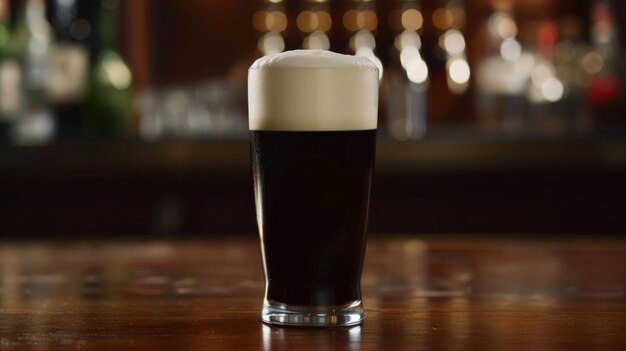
{"points": [[313, 121]]}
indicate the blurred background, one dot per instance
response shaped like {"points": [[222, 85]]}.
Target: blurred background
{"points": [[129, 118]]}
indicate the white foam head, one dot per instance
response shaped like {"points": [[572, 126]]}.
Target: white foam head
{"points": [[313, 90]]}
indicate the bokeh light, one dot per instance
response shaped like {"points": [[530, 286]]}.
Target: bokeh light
{"points": [[317, 40], [412, 19], [417, 71], [503, 26], [271, 43], [276, 21], [443, 18], [407, 39], [453, 42], [511, 49], [309, 21], [258, 21], [593, 62], [459, 71], [363, 39], [458, 17], [552, 89]]}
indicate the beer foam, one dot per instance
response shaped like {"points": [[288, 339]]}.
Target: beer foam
{"points": [[313, 90]]}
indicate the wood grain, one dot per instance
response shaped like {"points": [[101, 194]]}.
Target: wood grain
{"points": [[419, 295]]}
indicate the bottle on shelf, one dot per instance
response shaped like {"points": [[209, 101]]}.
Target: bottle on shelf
{"points": [[450, 20], [568, 55], [69, 64], [405, 83], [109, 101], [546, 90], [450, 60], [603, 64], [31, 43], [10, 76], [502, 74]]}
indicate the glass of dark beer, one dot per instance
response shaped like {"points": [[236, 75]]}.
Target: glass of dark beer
{"points": [[313, 120]]}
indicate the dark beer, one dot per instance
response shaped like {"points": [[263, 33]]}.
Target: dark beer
{"points": [[313, 119], [314, 188]]}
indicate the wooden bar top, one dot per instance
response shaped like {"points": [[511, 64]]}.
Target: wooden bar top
{"points": [[419, 294]]}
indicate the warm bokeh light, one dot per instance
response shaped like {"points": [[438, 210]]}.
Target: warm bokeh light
{"points": [[552, 89], [593, 62], [412, 19], [324, 21], [459, 18], [367, 20], [411, 59], [307, 21], [459, 71], [355, 20], [349, 20], [258, 21], [271, 43], [417, 71], [443, 18], [408, 54], [408, 39], [363, 39], [276, 21], [503, 26], [317, 41], [453, 42]]}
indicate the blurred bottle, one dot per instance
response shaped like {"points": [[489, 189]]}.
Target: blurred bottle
{"points": [[69, 64], [109, 101], [546, 90], [10, 76], [603, 64], [502, 74], [406, 79], [32, 40], [568, 56], [450, 20]]}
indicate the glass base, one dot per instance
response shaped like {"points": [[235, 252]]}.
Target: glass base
{"points": [[277, 313]]}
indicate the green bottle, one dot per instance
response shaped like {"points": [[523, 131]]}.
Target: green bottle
{"points": [[109, 104], [10, 76], [31, 42], [69, 66]]}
